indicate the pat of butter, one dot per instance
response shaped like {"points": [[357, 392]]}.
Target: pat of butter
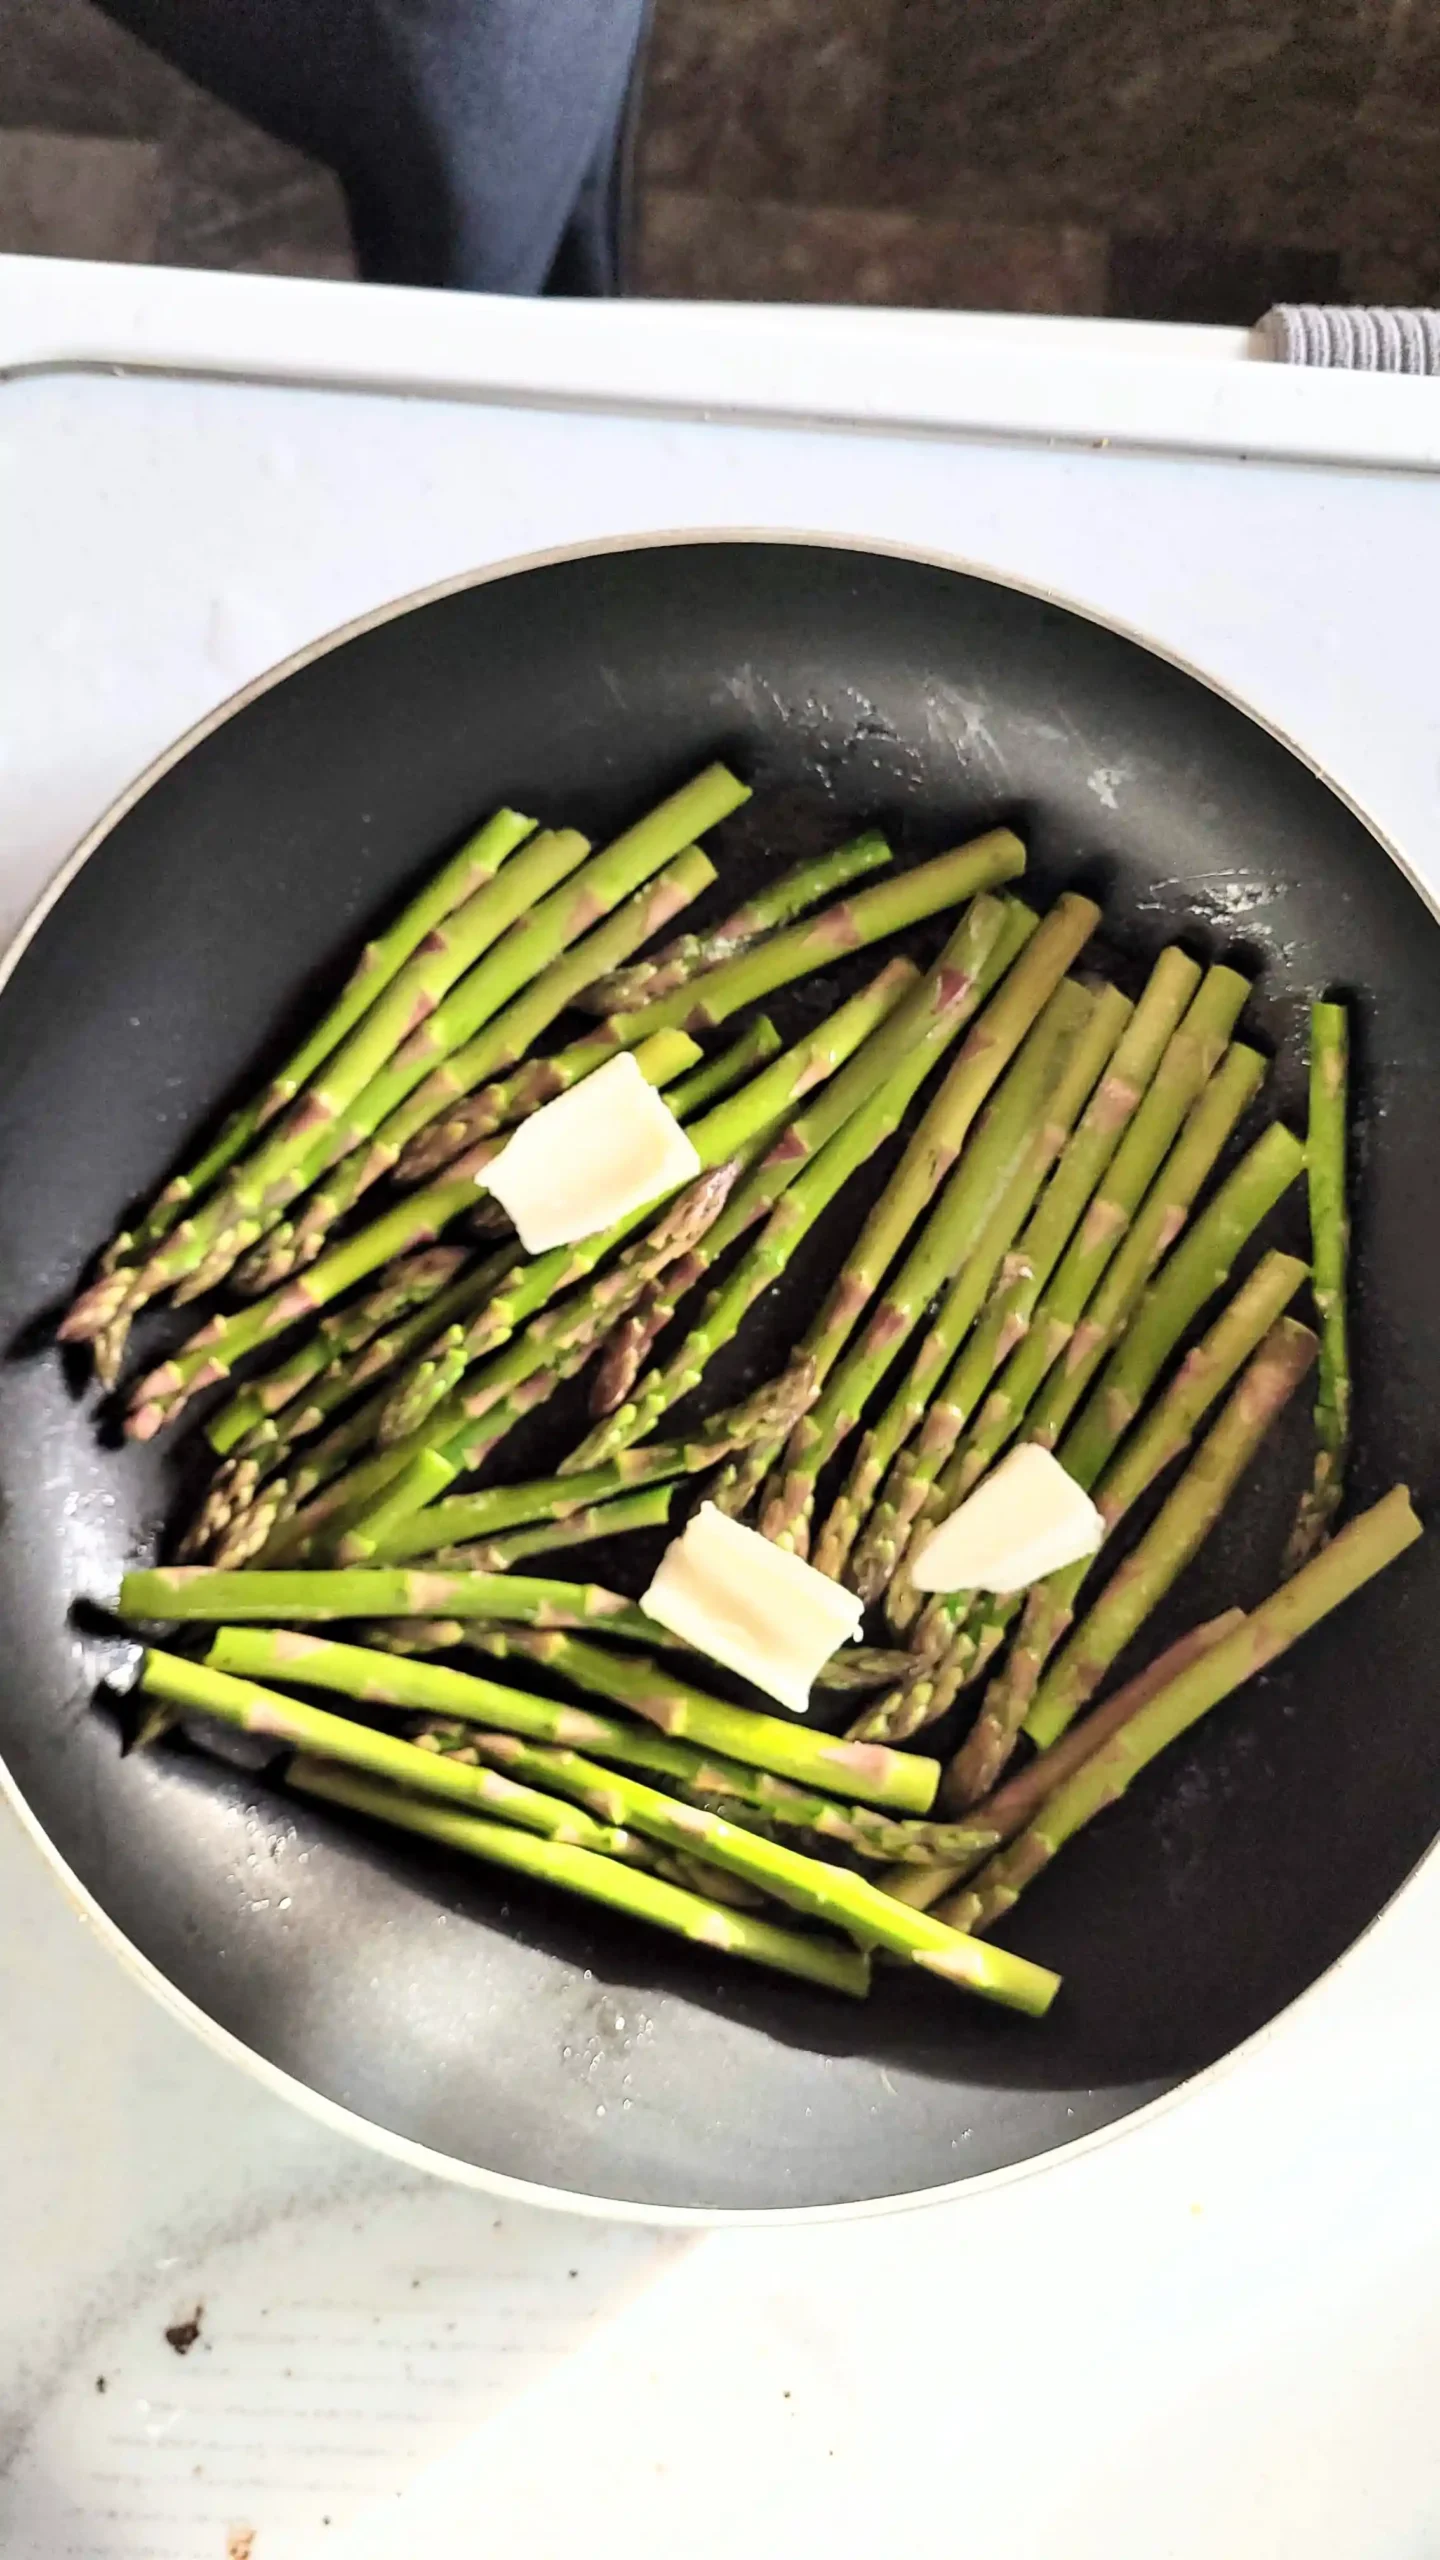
{"points": [[1027, 1519], [761, 1611], [590, 1157]]}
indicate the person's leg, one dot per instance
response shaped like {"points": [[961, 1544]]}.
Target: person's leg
{"points": [[477, 141]]}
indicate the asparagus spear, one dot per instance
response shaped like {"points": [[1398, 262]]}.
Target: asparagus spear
{"points": [[546, 961], [935, 1145], [186, 1593], [1361, 1550], [623, 1888], [1024, 1276], [852, 925], [1178, 1530], [724, 1139], [464, 1430], [818, 1152], [1189, 1059], [748, 1796], [1272, 1164], [1326, 1158], [648, 1509], [499, 1106], [869, 917], [197, 1686], [944, 1246], [473, 1039], [414, 1281], [202, 1248], [313, 1529], [674, 1710], [1203, 1375], [968, 1292], [211, 1353], [1015, 1803], [1199, 1266], [471, 869], [716, 1077], [1173, 1539], [807, 1884], [621, 990]]}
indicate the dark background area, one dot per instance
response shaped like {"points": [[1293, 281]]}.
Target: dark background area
{"points": [[1165, 159]]}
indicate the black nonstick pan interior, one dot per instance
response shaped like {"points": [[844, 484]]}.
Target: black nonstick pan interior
{"points": [[508, 2032]]}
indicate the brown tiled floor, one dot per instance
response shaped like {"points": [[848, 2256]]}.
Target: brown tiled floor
{"points": [[1194, 159]]}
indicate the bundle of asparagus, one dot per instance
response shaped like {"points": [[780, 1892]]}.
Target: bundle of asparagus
{"points": [[1030, 1272]]}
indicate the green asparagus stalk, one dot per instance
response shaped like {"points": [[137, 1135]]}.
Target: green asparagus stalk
{"points": [[1161, 1219], [458, 880], [748, 1796], [1015, 1803], [724, 1138], [830, 936], [476, 1416], [622, 990], [1195, 1271], [961, 1306], [622, 1888], [986, 1051], [852, 925], [723, 1074], [185, 1593], [648, 1509], [415, 1281], [1202, 1377], [202, 1248], [944, 1245], [817, 1154], [1175, 1535], [1190, 1057], [825, 1892], [544, 958], [199, 1688], [548, 973], [323, 1522], [349, 1370], [1326, 1154], [1361, 1550], [1026, 1273], [668, 1708], [211, 1353], [1134, 1590]]}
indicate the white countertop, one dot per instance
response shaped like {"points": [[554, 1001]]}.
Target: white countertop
{"points": [[1217, 2332]]}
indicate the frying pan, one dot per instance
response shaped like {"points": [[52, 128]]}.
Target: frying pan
{"points": [[506, 2036]]}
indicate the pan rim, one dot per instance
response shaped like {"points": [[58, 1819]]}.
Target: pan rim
{"points": [[403, 2149]]}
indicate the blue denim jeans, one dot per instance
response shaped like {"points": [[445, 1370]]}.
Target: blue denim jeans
{"points": [[480, 143]]}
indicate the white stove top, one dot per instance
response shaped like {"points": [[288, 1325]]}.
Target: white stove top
{"points": [[1218, 2332]]}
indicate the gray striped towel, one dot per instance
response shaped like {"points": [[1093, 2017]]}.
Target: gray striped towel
{"points": [[1362, 339]]}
